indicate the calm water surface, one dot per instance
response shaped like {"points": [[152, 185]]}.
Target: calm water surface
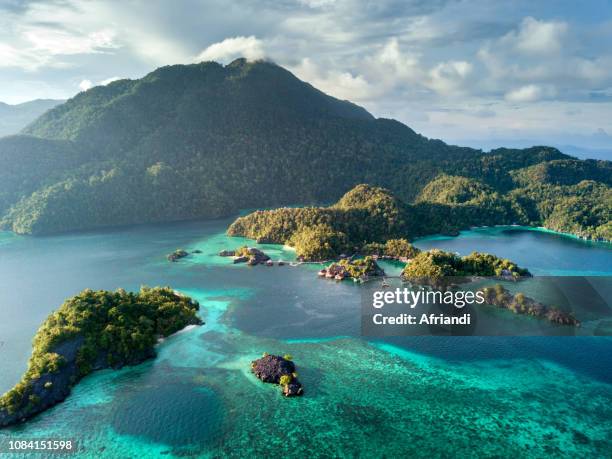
{"points": [[438, 396]]}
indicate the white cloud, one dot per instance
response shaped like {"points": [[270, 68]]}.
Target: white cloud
{"points": [[448, 77], [532, 51], [109, 80], [10, 56], [387, 71], [232, 48], [85, 85], [391, 69], [41, 46], [528, 93], [88, 84], [404, 65], [543, 60], [342, 85], [317, 3], [538, 37], [60, 42]]}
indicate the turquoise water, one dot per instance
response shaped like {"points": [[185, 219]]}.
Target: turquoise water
{"points": [[543, 252], [425, 396]]}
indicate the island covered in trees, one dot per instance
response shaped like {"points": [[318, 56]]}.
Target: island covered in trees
{"points": [[435, 264], [91, 331], [371, 220], [207, 140], [521, 304]]}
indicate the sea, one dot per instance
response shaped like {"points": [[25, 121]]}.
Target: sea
{"points": [[434, 396]]}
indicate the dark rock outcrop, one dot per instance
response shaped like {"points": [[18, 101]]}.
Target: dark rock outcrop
{"points": [[177, 255], [559, 317], [49, 389], [52, 388], [293, 389], [278, 370]]}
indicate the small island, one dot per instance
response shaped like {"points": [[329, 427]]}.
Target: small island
{"points": [[91, 331], [358, 269], [365, 221], [249, 255], [278, 370], [521, 304], [177, 255], [436, 264]]}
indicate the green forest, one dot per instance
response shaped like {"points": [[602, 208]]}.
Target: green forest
{"points": [[372, 221], [104, 329], [435, 264], [206, 140]]}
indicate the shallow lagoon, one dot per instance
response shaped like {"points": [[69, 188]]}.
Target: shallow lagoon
{"points": [[444, 396]]}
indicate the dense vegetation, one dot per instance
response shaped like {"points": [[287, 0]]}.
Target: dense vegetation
{"points": [[583, 209], [206, 140], [521, 304], [565, 172], [363, 215], [360, 267], [370, 220], [435, 264], [393, 248], [101, 329]]}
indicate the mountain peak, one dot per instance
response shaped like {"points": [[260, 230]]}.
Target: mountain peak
{"points": [[187, 94], [239, 62]]}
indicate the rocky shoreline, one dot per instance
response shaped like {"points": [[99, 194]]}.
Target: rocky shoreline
{"points": [[52, 388]]}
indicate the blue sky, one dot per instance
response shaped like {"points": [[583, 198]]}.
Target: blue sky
{"points": [[463, 71]]}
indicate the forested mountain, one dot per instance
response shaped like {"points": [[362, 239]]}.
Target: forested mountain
{"points": [[206, 140], [13, 118]]}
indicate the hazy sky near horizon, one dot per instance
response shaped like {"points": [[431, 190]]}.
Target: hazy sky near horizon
{"points": [[456, 70]]}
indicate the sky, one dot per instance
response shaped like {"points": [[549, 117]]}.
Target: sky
{"points": [[473, 72]]}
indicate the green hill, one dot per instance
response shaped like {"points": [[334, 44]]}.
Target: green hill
{"points": [[91, 331], [565, 172], [206, 140], [451, 189], [364, 219]]}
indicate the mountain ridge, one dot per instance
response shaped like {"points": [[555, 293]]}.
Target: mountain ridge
{"points": [[14, 118], [206, 140]]}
